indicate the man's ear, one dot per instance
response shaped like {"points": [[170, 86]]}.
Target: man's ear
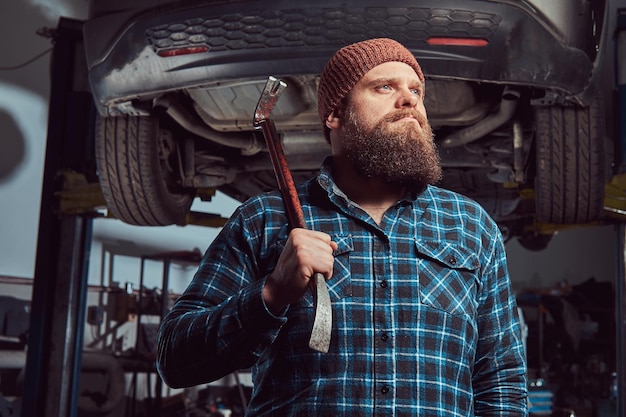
{"points": [[332, 121]]}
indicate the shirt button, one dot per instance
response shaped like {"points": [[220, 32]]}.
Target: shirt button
{"points": [[384, 283], [452, 260], [384, 337], [385, 389]]}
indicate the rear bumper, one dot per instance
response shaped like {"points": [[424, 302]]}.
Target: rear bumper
{"points": [[257, 38]]}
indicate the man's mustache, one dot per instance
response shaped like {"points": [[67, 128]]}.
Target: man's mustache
{"points": [[401, 114]]}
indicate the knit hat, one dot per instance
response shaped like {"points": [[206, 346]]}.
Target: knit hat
{"points": [[351, 63]]}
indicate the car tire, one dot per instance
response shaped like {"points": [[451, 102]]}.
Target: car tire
{"points": [[570, 163], [137, 167]]}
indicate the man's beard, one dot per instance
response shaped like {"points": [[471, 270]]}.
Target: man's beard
{"points": [[395, 153]]}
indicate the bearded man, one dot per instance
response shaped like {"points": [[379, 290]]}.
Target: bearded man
{"points": [[424, 319]]}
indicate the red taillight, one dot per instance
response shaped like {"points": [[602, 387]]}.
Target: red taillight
{"points": [[457, 41], [183, 51]]}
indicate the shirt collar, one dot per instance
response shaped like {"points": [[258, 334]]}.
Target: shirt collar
{"points": [[327, 182]]}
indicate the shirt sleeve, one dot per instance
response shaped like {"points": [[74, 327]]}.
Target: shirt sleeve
{"points": [[499, 380], [220, 324]]}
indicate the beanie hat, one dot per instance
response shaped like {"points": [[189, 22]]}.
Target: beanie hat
{"points": [[349, 64]]}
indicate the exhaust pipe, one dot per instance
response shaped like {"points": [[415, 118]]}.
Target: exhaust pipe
{"points": [[249, 144], [508, 105]]}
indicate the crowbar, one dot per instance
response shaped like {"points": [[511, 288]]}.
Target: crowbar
{"points": [[322, 325]]}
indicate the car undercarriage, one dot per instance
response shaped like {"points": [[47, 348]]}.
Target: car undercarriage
{"points": [[513, 96]]}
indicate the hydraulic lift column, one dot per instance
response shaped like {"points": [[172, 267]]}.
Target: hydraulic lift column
{"points": [[620, 290], [55, 337]]}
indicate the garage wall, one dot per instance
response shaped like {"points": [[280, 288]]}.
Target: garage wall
{"points": [[573, 255]]}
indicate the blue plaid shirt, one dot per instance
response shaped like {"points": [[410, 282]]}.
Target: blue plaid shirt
{"points": [[424, 320]]}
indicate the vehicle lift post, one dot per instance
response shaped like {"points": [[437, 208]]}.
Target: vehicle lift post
{"points": [[55, 338], [620, 288]]}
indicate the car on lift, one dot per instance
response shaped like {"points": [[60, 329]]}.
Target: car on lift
{"points": [[514, 96]]}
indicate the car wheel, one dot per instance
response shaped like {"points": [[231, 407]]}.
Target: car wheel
{"points": [[137, 164], [570, 164]]}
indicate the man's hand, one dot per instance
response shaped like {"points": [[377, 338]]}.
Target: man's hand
{"points": [[307, 252]]}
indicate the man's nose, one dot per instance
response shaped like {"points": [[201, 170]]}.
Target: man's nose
{"points": [[408, 98]]}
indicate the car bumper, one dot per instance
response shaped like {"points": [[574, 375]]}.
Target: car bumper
{"points": [[127, 55]]}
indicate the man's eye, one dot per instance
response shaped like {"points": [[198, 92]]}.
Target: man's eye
{"points": [[416, 91], [385, 87]]}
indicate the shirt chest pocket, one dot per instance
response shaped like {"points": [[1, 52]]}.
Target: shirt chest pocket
{"points": [[448, 277]]}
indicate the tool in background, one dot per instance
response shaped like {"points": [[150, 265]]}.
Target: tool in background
{"points": [[322, 325]]}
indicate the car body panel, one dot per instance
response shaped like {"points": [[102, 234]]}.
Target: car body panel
{"points": [[252, 39]]}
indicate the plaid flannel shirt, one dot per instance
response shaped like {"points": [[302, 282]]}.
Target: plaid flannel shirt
{"points": [[424, 319]]}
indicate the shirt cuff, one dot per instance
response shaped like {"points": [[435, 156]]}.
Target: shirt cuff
{"points": [[254, 313]]}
